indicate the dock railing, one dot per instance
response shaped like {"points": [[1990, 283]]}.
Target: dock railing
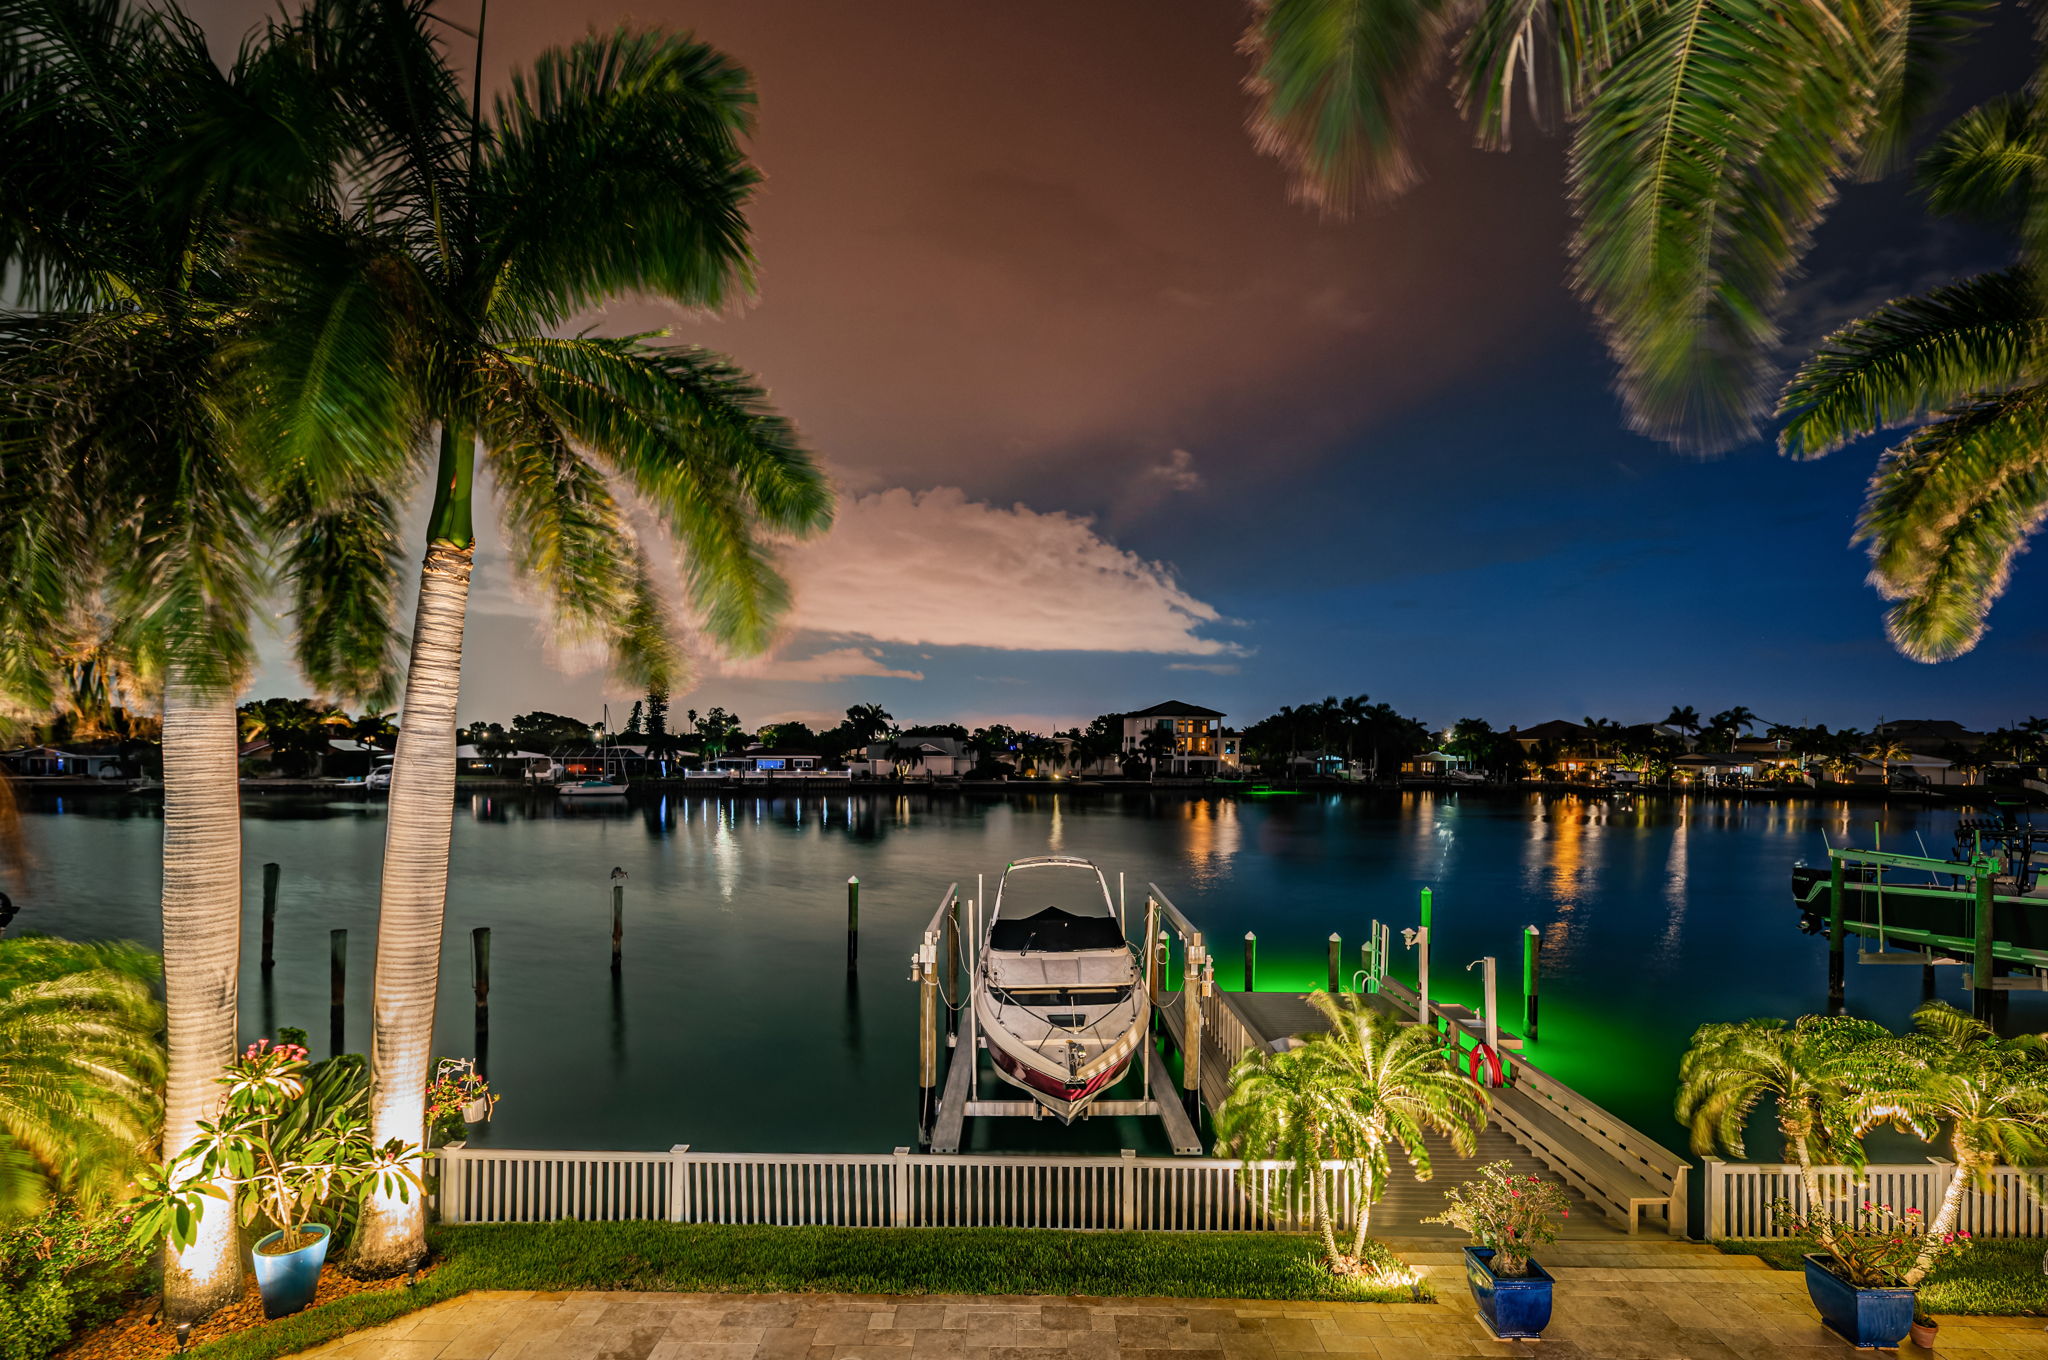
{"points": [[1739, 1195], [876, 1190]]}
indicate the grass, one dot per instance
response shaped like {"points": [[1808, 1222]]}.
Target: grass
{"points": [[719, 1258], [1997, 1277]]}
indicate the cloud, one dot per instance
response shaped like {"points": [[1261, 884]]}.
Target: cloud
{"points": [[820, 668], [1212, 667], [933, 568], [1177, 473]]}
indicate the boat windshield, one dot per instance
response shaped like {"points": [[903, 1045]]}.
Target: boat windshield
{"points": [[1053, 931]]}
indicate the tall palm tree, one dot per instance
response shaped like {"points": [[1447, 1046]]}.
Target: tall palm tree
{"points": [[1811, 1071], [1297, 1108], [1991, 1095], [134, 502], [1686, 719], [81, 1056], [609, 167], [1404, 1088]]}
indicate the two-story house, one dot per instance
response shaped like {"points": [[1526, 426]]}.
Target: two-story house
{"points": [[1200, 745]]}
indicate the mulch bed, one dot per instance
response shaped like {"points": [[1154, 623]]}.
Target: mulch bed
{"points": [[133, 1336]]}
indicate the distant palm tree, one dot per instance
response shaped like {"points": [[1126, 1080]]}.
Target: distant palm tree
{"points": [[1812, 1072], [1404, 1088], [1157, 744], [1686, 719], [1884, 749], [1990, 1094], [81, 1059], [435, 316]]}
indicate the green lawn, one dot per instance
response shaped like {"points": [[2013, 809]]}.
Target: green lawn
{"points": [[721, 1258], [1999, 1276]]}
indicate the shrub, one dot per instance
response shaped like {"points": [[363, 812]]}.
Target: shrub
{"points": [[60, 1272]]}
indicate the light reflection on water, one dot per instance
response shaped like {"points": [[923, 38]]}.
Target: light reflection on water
{"points": [[735, 1025]]}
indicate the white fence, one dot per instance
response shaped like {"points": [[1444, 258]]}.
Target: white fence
{"points": [[1173, 1194], [1739, 1196]]}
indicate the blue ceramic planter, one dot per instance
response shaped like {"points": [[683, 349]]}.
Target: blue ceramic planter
{"points": [[1870, 1318], [288, 1280], [1514, 1307]]}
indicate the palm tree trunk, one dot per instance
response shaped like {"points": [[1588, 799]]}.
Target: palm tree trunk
{"points": [[391, 1236], [1945, 1217], [1319, 1210], [202, 909], [1366, 1188], [1816, 1212]]}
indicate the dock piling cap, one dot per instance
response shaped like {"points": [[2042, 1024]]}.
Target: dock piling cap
{"points": [[851, 879]]}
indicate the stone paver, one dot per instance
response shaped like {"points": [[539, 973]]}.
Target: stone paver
{"points": [[1640, 1301]]}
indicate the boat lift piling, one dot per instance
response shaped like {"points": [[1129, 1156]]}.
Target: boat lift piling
{"points": [[1251, 961], [337, 989], [270, 873], [480, 984], [1532, 963], [1336, 963], [852, 921]]}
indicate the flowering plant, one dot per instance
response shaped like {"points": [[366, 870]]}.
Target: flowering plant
{"points": [[259, 1156], [1873, 1247], [455, 1086], [1508, 1212]]}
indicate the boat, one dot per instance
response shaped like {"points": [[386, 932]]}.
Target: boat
{"points": [[605, 785], [1057, 992]]}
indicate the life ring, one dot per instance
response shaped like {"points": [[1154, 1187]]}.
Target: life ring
{"points": [[1492, 1061]]}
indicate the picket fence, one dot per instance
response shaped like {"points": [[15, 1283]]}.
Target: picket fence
{"points": [[1739, 1196], [900, 1189]]}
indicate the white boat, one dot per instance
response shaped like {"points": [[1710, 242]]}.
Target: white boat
{"points": [[606, 785], [1057, 990]]}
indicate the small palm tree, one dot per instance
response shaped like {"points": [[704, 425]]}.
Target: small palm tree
{"points": [[1405, 1088], [1813, 1071], [1991, 1094], [1298, 1108], [81, 1062]]}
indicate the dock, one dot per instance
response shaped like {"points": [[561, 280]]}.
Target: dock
{"points": [[1618, 1178]]}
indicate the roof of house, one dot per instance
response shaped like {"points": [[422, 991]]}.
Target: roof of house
{"points": [[1557, 729], [1941, 728], [1174, 708]]}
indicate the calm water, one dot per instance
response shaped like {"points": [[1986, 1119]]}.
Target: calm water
{"points": [[735, 1025]]}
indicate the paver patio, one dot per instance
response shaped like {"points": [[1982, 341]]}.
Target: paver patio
{"points": [[1642, 1300]]}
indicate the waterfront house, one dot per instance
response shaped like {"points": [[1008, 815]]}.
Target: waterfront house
{"points": [[1714, 767], [1200, 745], [1929, 736], [915, 757], [50, 762], [1429, 765]]}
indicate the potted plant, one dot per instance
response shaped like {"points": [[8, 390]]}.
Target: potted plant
{"points": [[1859, 1283], [1926, 1331], [261, 1159], [1507, 1215], [456, 1097]]}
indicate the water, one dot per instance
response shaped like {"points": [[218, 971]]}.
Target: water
{"points": [[735, 1025]]}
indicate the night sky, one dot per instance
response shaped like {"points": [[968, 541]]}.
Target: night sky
{"points": [[1115, 422]]}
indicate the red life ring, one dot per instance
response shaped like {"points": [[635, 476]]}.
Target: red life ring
{"points": [[1492, 1063]]}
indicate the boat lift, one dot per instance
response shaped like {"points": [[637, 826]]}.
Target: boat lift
{"points": [[948, 954]]}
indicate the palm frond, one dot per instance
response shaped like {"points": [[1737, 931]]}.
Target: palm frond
{"points": [[1912, 60], [341, 562], [1912, 356], [1335, 84], [614, 166], [692, 437], [1553, 48], [1946, 513], [1986, 163], [1703, 160]]}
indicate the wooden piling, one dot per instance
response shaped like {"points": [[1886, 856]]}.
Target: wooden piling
{"points": [[1532, 955], [928, 1034], [337, 988], [618, 923], [1191, 1031], [480, 985], [270, 873], [1837, 891], [1336, 963], [1983, 993], [852, 921], [1251, 962]]}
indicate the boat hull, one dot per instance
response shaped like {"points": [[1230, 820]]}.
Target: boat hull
{"points": [[1065, 1101]]}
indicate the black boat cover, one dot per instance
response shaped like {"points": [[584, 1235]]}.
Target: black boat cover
{"points": [[1053, 931]]}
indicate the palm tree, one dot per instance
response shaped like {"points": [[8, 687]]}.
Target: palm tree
{"points": [[1297, 1108], [1812, 1071], [1157, 744], [133, 493], [610, 167], [1404, 1088], [1884, 749], [81, 1056], [1686, 719], [1990, 1093]]}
